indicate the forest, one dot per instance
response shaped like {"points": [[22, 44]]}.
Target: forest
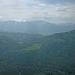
{"points": [[36, 54]]}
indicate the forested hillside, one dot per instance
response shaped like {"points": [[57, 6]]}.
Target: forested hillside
{"points": [[34, 54]]}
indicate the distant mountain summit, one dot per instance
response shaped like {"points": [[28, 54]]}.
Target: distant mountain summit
{"points": [[34, 27]]}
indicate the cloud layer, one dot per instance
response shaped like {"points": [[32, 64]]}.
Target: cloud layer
{"points": [[23, 10]]}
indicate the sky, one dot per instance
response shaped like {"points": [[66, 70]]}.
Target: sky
{"points": [[54, 11]]}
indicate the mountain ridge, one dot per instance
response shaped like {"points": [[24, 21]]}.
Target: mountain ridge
{"points": [[46, 55], [34, 27]]}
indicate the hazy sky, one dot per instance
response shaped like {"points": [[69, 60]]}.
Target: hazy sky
{"points": [[56, 11]]}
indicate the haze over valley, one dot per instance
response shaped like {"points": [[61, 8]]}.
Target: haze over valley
{"points": [[34, 27]]}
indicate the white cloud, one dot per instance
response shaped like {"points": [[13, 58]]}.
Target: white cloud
{"points": [[27, 9]]}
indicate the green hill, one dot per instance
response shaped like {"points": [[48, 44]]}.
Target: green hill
{"points": [[37, 55]]}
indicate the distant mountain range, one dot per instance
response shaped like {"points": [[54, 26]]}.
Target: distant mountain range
{"points": [[34, 27]]}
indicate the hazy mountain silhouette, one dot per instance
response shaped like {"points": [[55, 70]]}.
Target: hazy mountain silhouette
{"points": [[34, 27]]}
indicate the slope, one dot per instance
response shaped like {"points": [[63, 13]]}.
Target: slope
{"points": [[54, 54]]}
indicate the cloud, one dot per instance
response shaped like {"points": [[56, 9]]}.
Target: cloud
{"points": [[36, 9]]}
